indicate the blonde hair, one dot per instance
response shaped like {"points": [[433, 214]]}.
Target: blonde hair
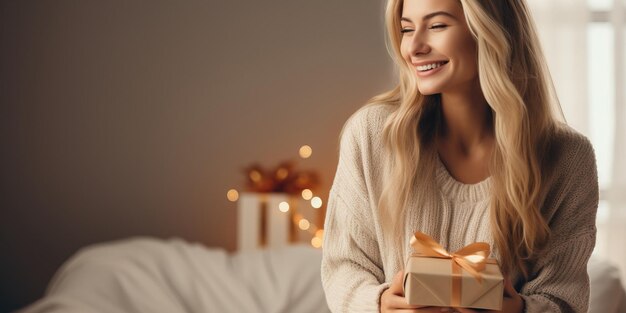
{"points": [[517, 86]]}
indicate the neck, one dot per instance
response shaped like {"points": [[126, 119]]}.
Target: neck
{"points": [[467, 120]]}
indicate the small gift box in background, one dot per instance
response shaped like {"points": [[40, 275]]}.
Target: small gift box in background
{"points": [[466, 278], [279, 206], [259, 226]]}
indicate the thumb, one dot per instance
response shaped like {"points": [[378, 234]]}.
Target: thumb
{"points": [[396, 284]]}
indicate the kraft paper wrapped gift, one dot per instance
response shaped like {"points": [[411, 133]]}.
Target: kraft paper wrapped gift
{"points": [[466, 278]]}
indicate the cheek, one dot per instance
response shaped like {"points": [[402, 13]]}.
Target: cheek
{"points": [[468, 51], [404, 51], [472, 60]]}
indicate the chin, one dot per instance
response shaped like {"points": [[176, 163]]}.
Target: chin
{"points": [[431, 86], [428, 91]]}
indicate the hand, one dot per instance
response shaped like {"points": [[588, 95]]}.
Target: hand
{"points": [[392, 300], [512, 302]]}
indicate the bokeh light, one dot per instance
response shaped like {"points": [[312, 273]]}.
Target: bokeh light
{"points": [[316, 242], [304, 224], [307, 194], [283, 207], [282, 173], [316, 202], [319, 233], [232, 195], [305, 152], [255, 176]]}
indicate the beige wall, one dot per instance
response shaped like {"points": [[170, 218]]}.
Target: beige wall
{"points": [[126, 118]]}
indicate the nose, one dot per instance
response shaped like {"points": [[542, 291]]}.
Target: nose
{"points": [[419, 44]]}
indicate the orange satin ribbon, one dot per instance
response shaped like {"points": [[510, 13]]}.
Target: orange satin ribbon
{"points": [[472, 258]]}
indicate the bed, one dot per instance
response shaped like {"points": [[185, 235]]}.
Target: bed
{"points": [[152, 275]]}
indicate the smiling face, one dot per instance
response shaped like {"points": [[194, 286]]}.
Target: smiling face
{"points": [[438, 46]]}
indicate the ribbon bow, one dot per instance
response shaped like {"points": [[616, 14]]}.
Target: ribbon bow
{"points": [[472, 258]]}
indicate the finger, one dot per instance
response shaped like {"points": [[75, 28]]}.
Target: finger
{"points": [[396, 284], [466, 310], [429, 309], [434, 309], [399, 302]]}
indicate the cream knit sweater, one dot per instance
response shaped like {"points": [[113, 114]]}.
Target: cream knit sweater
{"points": [[355, 271]]}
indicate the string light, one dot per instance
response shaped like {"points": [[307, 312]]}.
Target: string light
{"points": [[283, 207], [307, 194], [319, 233], [305, 152], [304, 224], [316, 202], [232, 195], [282, 173], [316, 242], [255, 176]]}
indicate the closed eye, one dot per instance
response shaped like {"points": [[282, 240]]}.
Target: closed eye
{"points": [[438, 26]]}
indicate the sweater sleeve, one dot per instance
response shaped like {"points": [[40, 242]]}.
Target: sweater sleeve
{"points": [[559, 281], [352, 271]]}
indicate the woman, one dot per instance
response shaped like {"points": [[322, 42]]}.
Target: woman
{"points": [[466, 148]]}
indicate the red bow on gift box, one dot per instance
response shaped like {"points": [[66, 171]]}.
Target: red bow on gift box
{"points": [[281, 179]]}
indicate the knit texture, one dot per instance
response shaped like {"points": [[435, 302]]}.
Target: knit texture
{"points": [[355, 269]]}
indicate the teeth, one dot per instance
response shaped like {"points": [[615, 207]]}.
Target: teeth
{"points": [[427, 67]]}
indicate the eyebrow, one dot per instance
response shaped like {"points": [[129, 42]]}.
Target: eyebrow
{"points": [[431, 15]]}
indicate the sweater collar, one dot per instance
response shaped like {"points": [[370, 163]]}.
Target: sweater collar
{"points": [[455, 190]]}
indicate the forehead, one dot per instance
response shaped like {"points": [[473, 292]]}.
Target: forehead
{"points": [[416, 9]]}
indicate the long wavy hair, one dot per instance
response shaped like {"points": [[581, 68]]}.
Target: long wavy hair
{"points": [[525, 113]]}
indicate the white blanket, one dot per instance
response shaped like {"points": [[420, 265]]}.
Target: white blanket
{"points": [[149, 275]]}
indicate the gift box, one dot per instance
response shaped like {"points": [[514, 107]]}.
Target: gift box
{"points": [[278, 208], [466, 278], [260, 222]]}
